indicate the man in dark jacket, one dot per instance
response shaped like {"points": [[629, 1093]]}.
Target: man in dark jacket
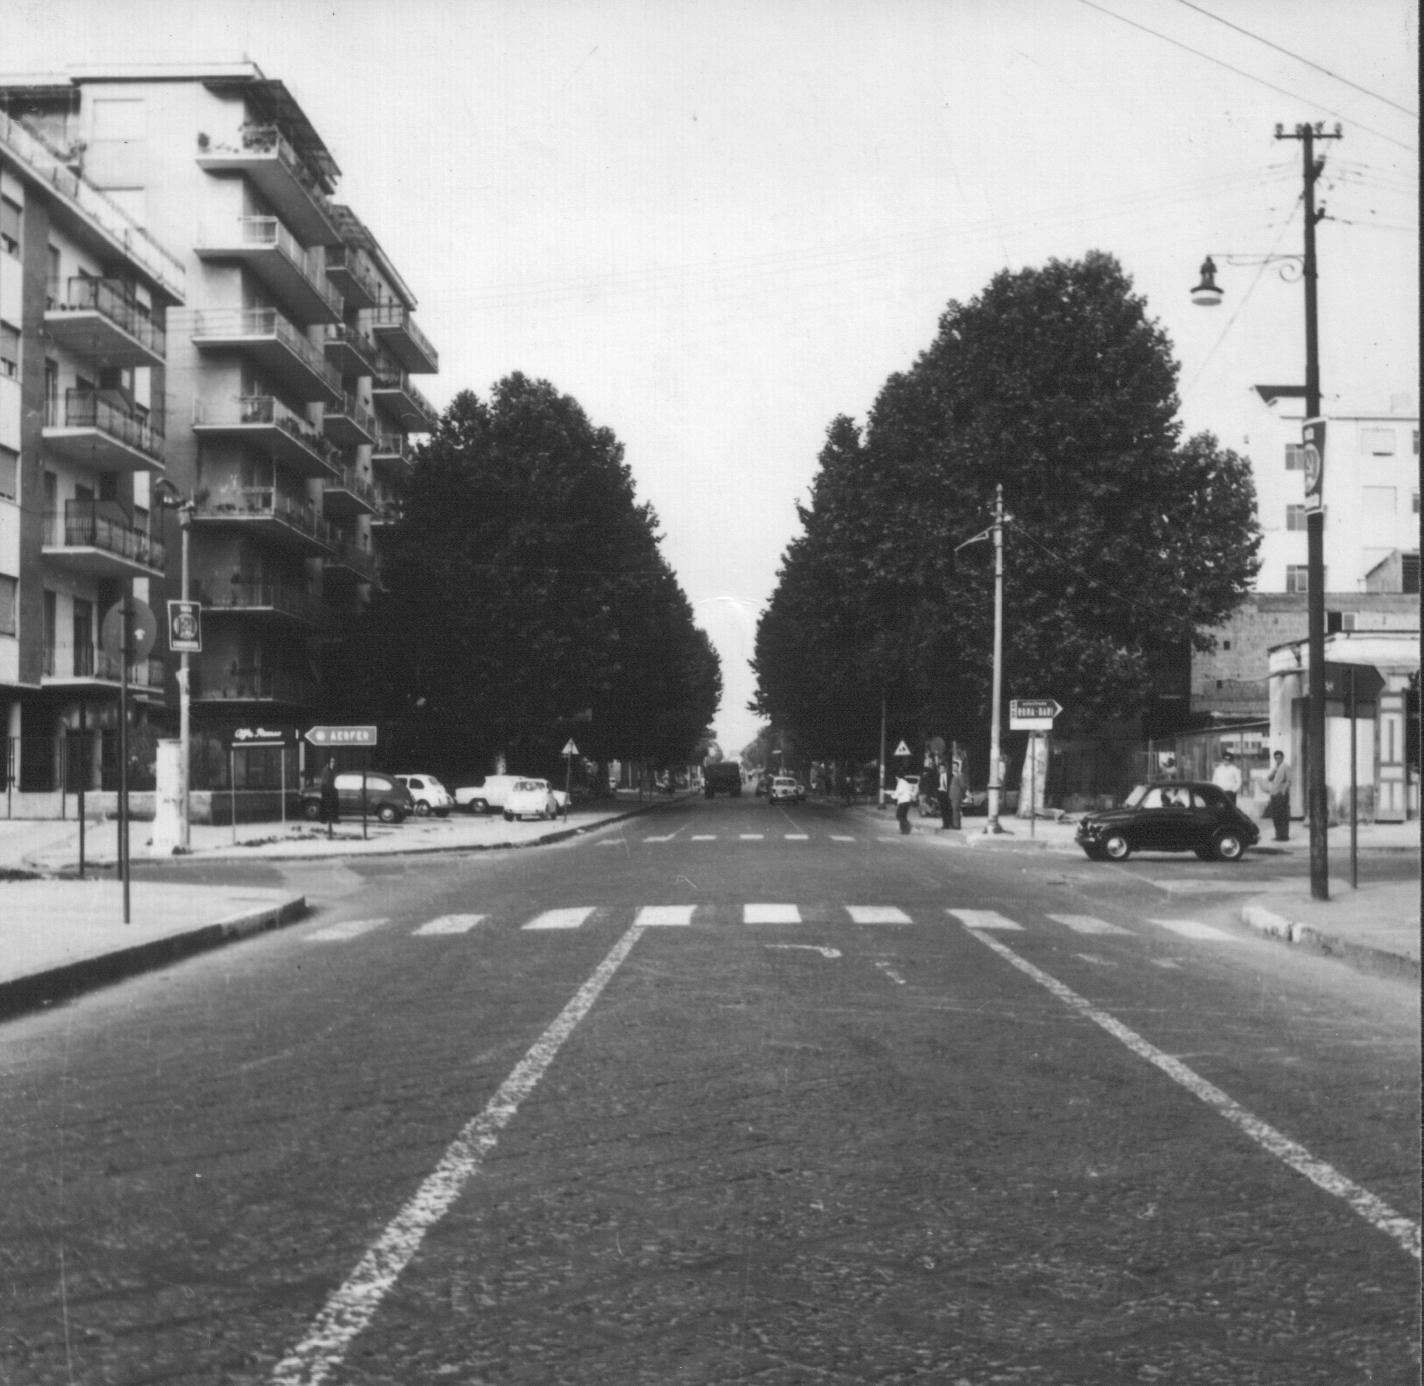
{"points": [[330, 803], [955, 795]]}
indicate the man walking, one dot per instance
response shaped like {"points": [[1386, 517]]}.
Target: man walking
{"points": [[956, 794], [330, 803], [904, 797], [1227, 776], [1278, 784]]}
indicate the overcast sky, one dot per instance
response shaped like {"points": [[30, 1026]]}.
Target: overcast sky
{"points": [[720, 225]]}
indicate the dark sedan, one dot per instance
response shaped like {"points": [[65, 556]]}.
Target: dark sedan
{"points": [[1169, 816]]}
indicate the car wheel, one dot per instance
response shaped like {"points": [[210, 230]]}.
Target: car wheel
{"points": [[478, 806], [422, 809], [388, 813], [312, 810], [1116, 847], [1229, 846], [508, 817]]}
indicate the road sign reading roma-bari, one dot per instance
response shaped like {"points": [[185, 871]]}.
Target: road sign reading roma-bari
{"points": [[1033, 714], [342, 736]]}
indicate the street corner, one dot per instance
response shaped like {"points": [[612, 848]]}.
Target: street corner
{"points": [[1380, 936]]}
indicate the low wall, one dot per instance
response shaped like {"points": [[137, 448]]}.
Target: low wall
{"points": [[204, 805]]}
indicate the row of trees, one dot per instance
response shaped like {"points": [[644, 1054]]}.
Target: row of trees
{"points": [[527, 599], [1125, 541]]}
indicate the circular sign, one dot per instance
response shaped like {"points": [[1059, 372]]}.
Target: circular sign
{"points": [[937, 745], [1312, 469], [143, 630]]}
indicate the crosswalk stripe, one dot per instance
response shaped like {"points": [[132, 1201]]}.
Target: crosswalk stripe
{"points": [[1189, 928], [798, 837], [349, 928], [1087, 924], [561, 919], [877, 914], [667, 838], [664, 915], [770, 914], [841, 837], [751, 837], [985, 919], [451, 924], [704, 837]]}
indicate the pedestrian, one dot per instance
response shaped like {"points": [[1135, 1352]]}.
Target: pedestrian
{"points": [[330, 803], [1227, 776], [904, 797], [956, 794], [942, 792], [1278, 784]]}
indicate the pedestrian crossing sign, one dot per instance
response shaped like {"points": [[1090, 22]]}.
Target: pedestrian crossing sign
{"points": [[902, 749]]}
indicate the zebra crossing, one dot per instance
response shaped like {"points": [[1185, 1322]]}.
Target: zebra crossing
{"points": [[568, 918], [618, 841]]}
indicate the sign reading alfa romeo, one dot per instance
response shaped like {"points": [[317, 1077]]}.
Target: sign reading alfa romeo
{"points": [[1312, 433], [342, 736], [1033, 714]]}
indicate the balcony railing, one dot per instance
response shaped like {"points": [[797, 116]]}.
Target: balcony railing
{"points": [[264, 596], [89, 662], [48, 163], [91, 524], [267, 685], [352, 408], [258, 233], [361, 346], [84, 409], [390, 377], [268, 139], [243, 411], [113, 300], [395, 317], [353, 483], [263, 502], [347, 262], [229, 323], [356, 559]]}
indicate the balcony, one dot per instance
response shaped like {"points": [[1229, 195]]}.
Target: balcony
{"points": [[91, 431], [275, 168], [349, 270], [265, 599], [351, 351], [96, 538], [262, 511], [350, 424], [349, 496], [395, 329], [387, 508], [101, 321], [393, 452], [393, 391], [355, 561], [265, 336], [252, 686], [267, 424], [269, 250], [92, 671]]}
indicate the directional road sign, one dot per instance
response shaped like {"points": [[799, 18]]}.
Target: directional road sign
{"points": [[342, 736], [1032, 714]]}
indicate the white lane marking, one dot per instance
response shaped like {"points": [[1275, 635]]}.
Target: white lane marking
{"points": [[353, 1306], [704, 837], [877, 914], [1376, 1212], [1087, 924], [662, 916], [561, 919], [751, 837], [985, 919], [1189, 928], [770, 914], [808, 947], [797, 837], [667, 838], [841, 837], [451, 924], [890, 972], [350, 928]]}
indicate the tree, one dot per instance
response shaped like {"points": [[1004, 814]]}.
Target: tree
{"points": [[1124, 541], [525, 587]]}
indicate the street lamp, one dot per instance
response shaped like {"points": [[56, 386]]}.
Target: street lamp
{"points": [[168, 497], [1208, 294]]}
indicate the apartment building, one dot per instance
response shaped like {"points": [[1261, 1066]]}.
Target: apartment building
{"points": [[287, 385], [85, 293]]}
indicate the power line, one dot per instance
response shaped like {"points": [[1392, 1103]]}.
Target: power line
{"points": [[1334, 76], [1250, 77]]}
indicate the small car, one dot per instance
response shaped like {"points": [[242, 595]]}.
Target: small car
{"points": [[386, 798], [785, 789], [531, 798], [488, 795], [1169, 816], [429, 795]]}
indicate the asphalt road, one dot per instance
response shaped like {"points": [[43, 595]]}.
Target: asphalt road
{"points": [[725, 1093]]}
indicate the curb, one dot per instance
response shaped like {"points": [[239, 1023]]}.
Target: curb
{"points": [[63, 983], [1376, 960]]}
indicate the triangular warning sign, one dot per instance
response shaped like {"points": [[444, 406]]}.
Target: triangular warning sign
{"points": [[570, 749], [902, 749]]}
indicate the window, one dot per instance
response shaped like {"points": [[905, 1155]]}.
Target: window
{"points": [[1295, 517], [10, 214], [9, 351], [1416, 502], [1377, 442], [9, 473], [9, 588], [1298, 577], [1295, 457]]}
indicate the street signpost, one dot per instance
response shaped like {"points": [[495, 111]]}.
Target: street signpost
{"points": [[1032, 715], [185, 627], [127, 634], [346, 736], [569, 752]]}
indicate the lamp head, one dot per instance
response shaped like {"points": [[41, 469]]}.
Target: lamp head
{"points": [[1207, 294]]}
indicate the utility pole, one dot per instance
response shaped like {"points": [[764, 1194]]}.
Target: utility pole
{"points": [[185, 727], [1316, 806], [880, 769], [995, 775]]}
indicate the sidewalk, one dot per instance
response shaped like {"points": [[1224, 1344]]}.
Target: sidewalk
{"points": [[1376, 927]]}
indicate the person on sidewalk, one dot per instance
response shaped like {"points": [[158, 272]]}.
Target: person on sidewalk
{"points": [[330, 803], [1227, 776], [956, 795], [904, 797], [1278, 784]]}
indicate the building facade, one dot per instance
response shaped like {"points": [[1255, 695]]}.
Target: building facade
{"points": [[287, 382]]}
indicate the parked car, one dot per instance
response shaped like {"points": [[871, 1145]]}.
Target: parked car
{"points": [[429, 795], [386, 797], [786, 789], [1169, 816], [531, 798], [488, 796]]}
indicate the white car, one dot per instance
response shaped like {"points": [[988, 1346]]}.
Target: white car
{"points": [[531, 798], [488, 795], [429, 794]]}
